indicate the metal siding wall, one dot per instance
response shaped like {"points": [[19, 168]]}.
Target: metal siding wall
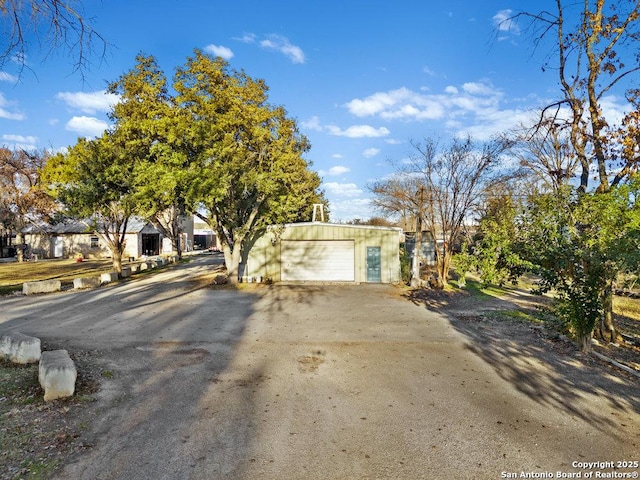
{"points": [[266, 260]]}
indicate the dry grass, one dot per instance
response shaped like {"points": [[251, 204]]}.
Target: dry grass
{"points": [[627, 315], [13, 274]]}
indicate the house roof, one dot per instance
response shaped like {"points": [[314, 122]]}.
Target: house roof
{"points": [[72, 226], [337, 225]]}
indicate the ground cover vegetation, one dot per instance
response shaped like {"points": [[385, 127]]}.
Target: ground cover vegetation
{"points": [[36, 436], [565, 207], [575, 224]]}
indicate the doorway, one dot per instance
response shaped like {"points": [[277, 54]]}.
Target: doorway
{"points": [[374, 265]]}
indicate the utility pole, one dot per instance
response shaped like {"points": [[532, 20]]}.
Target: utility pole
{"points": [[417, 249]]}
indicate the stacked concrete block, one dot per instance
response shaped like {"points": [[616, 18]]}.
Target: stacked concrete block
{"points": [[86, 282], [43, 286], [108, 277], [57, 375], [19, 348]]}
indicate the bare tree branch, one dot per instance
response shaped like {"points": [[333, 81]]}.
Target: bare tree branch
{"points": [[56, 26]]}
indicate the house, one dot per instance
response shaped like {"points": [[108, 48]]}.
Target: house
{"points": [[203, 237], [73, 237], [427, 250], [325, 252]]}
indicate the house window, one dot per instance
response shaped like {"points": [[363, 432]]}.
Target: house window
{"points": [[95, 242]]}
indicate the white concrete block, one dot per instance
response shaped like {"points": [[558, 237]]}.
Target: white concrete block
{"points": [[108, 277], [19, 348], [135, 268], [43, 286], [86, 282], [144, 266], [57, 374], [126, 272]]}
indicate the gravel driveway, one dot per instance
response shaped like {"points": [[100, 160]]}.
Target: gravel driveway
{"points": [[315, 382]]}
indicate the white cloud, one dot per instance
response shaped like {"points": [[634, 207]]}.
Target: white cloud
{"points": [[474, 107], [342, 189], [355, 131], [312, 124], [89, 126], [398, 104], [337, 170], [478, 88], [219, 51], [344, 210], [370, 152], [30, 139], [336, 155], [8, 114], [7, 77], [428, 71], [612, 110], [281, 44], [91, 103], [246, 38], [503, 21], [20, 142], [358, 131]]}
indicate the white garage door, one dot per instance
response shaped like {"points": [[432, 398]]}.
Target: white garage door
{"points": [[318, 260]]}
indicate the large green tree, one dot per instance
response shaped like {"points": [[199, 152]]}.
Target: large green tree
{"points": [[248, 155], [148, 125], [95, 182], [580, 241]]}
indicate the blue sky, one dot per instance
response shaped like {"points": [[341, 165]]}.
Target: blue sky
{"points": [[362, 78]]}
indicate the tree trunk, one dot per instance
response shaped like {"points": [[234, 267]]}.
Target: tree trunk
{"points": [[176, 243], [232, 260], [606, 327], [19, 244], [585, 339], [443, 265], [179, 246], [116, 256]]}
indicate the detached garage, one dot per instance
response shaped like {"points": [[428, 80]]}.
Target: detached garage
{"points": [[325, 252]]}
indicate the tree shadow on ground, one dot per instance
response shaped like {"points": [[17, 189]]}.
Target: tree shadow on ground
{"points": [[539, 364]]}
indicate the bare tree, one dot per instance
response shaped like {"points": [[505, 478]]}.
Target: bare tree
{"points": [[54, 25], [595, 48], [545, 155], [440, 189], [22, 201]]}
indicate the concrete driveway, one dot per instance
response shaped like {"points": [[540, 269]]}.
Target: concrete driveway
{"points": [[314, 382]]}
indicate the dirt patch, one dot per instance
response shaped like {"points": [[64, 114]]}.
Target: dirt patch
{"points": [[310, 363], [36, 436], [519, 315]]}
